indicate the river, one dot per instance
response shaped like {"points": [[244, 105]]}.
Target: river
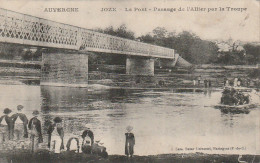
{"points": [[164, 121]]}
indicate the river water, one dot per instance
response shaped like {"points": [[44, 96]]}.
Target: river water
{"points": [[164, 121]]}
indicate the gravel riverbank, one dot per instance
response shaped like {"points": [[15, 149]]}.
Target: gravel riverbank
{"points": [[45, 156]]}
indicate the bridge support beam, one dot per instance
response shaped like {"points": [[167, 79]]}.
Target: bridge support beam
{"points": [[140, 66], [64, 69]]}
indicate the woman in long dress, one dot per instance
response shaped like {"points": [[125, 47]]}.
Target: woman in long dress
{"points": [[130, 142]]}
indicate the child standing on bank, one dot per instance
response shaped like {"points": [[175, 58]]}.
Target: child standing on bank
{"points": [[130, 142]]}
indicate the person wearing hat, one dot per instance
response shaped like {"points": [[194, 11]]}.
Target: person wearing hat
{"points": [[89, 133], [6, 124], [20, 123], [130, 142], [35, 130], [56, 135]]}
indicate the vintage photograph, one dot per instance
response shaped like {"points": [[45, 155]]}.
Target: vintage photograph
{"points": [[160, 81]]}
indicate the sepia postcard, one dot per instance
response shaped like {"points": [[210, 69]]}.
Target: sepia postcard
{"points": [[112, 81]]}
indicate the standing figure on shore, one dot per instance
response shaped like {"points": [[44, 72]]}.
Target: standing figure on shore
{"points": [[129, 142], [194, 82], [56, 135], [199, 79], [205, 83], [209, 83], [20, 123], [89, 133], [35, 130], [6, 126]]}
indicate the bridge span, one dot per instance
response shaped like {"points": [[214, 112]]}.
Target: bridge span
{"points": [[69, 65]]}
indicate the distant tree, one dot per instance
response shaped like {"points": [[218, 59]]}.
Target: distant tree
{"points": [[252, 53], [148, 38], [187, 44], [121, 31], [160, 32], [9, 51]]}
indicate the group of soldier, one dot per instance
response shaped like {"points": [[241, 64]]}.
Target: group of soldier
{"points": [[17, 127]]}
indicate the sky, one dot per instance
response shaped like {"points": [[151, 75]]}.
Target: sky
{"points": [[213, 25]]}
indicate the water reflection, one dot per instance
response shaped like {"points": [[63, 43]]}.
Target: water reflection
{"points": [[165, 119]]}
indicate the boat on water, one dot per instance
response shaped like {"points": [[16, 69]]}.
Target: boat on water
{"points": [[236, 100], [235, 109], [245, 106]]}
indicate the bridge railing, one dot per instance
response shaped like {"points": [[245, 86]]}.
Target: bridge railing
{"points": [[25, 29]]}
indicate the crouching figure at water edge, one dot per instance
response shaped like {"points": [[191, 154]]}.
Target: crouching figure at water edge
{"points": [[56, 136], [35, 130], [99, 149], [87, 140], [6, 125], [20, 124], [88, 133], [130, 142], [73, 144]]}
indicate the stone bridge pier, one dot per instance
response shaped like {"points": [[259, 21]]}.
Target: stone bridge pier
{"points": [[141, 66], [64, 68]]}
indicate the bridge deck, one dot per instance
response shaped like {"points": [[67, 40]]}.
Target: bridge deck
{"points": [[29, 30]]}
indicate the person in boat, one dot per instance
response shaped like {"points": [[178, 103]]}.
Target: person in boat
{"points": [[56, 136], [239, 82], [235, 82], [227, 83], [35, 129], [20, 123], [224, 82], [89, 133], [6, 125], [129, 142]]}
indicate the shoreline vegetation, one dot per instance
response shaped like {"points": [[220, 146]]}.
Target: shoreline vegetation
{"points": [[18, 72], [44, 156]]}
